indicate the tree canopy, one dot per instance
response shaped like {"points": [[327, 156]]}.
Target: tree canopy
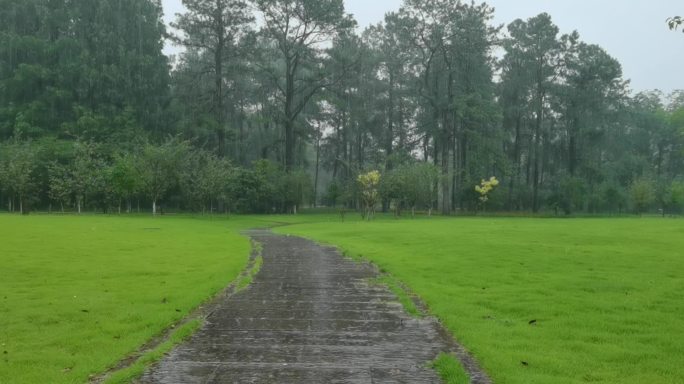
{"points": [[275, 104]]}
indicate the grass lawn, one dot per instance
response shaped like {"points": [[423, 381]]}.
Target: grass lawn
{"points": [[541, 300], [79, 293], [606, 295]]}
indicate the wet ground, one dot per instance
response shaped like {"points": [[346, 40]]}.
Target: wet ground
{"points": [[310, 316]]}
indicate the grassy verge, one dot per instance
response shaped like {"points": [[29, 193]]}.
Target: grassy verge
{"points": [[77, 294], [541, 300], [246, 279], [186, 328], [404, 298], [450, 370], [138, 368]]}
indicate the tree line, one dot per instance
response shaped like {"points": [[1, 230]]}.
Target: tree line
{"points": [[267, 116], [86, 175]]}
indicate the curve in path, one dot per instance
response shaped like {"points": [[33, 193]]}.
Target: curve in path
{"points": [[310, 316]]}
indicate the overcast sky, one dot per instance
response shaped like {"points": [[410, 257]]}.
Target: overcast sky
{"points": [[633, 31]]}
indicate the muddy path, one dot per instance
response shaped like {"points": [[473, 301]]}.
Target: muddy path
{"points": [[310, 316]]}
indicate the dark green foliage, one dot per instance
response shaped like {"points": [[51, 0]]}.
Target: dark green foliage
{"points": [[642, 193], [215, 32], [257, 114], [672, 198], [18, 174], [158, 168], [295, 32], [268, 189], [90, 69], [410, 186]]}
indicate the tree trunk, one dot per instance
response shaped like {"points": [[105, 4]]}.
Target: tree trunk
{"points": [[318, 160], [346, 145], [289, 145], [572, 148], [659, 161], [290, 141], [426, 148], [444, 162], [454, 167], [359, 149], [463, 163], [528, 161], [390, 125], [400, 122], [241, 132], [535, 176], [154, 207], [518, 164], [218, 68], [337, 151], [389, 136], [537, 140]]}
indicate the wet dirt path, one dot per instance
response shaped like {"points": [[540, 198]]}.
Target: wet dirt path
{"points": [[310, 316]]}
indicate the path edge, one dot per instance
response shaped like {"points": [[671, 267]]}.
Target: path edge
{"points": [[462, 355], [201, 313]]}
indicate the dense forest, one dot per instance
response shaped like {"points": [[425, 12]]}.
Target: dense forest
{"points": [[277, 104]]}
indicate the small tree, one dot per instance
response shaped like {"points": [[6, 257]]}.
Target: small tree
{"points": [[368, 184], [332, 196], [125, 179], [294, 188], [17, 168], [672, 199], [570, 194], [421, 179], [393, 188], [612, 198], [677, 196], [642, 194], [214, 176], [205, 179], [485, 188], [4, 185], [245, 191], [190, 181], [158, 168], [83, 173], [412, 185], [59, 184]]}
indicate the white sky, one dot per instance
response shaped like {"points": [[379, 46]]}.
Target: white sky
{"points": [[633, 31]]}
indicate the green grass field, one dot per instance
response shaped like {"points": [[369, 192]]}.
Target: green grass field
{"points": [[79, 293], [606, 295]]}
